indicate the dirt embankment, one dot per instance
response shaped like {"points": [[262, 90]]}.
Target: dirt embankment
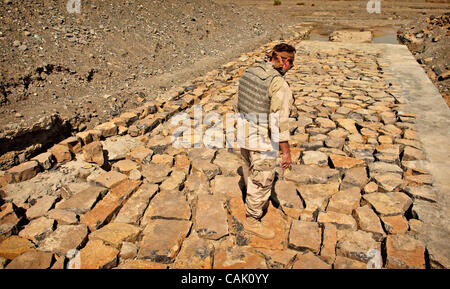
{"points": [[71, 71], [429, 41]]}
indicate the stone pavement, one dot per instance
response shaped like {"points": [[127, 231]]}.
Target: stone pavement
{"points": [[368, 187]]}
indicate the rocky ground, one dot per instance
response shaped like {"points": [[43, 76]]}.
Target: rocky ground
{"points": [[429, 40], [122, 196], [90, 169], [63, 72]]}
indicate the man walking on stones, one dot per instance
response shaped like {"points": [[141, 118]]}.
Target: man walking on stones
{"points": [[263, 103]]}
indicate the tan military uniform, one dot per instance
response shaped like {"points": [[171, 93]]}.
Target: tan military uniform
{"points": [[259, 153]]}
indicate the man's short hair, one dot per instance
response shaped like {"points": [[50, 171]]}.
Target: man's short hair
{"points": [[283, 47]]}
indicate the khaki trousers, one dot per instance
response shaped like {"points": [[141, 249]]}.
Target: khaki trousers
{"points": [[258, 173]]}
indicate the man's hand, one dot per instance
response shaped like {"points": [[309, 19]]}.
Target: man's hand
{"points": [[286, 161], [285, 155]]}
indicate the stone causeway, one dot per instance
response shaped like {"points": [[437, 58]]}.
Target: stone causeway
{"points": [[369, 185]]}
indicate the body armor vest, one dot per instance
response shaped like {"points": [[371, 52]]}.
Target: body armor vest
{"points": [[253, 95]]}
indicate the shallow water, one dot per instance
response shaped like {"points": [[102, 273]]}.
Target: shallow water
{"points": [[388, 35], [381, 35]]}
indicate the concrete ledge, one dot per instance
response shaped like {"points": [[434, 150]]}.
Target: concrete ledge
{"points": [[433, 130]]}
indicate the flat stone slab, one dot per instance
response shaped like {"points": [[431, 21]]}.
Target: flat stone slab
{"points": [[14, 246], [93, 152], [141, 155], [228, 163], [342, 221], [305, 235], [388, 181], [63, 217], [209, 169], [354, 177], [65, 238], [329, 240], [125, 166], [426, 193], [31, 260], [45, 160], [84, 201], [155, 173], [174, 181], [97, 255], [381, 167], [182, 163], [9, 212], [404, 252], [22, 172], [368, 221], [211, 217], [114, 234], [356, 245], [197, 184], [61, 153], [344, 162], [38, 229], [162, 240], [226, 186], [345, 201], [158, 144], [109, 179], [41, 207], [196, 253], [201, 153], [316, 196], [286, 195], [389, 204], [133, 210], [235, 257], [395, 224], [109, 206], [167, 205], [107, 129], [310, 261], [347, 263], [118, 147], [314, 158], [303, 174], [278, 259]]}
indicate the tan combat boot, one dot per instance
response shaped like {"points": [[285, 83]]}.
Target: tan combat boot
{"points": [[254, 226]]}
